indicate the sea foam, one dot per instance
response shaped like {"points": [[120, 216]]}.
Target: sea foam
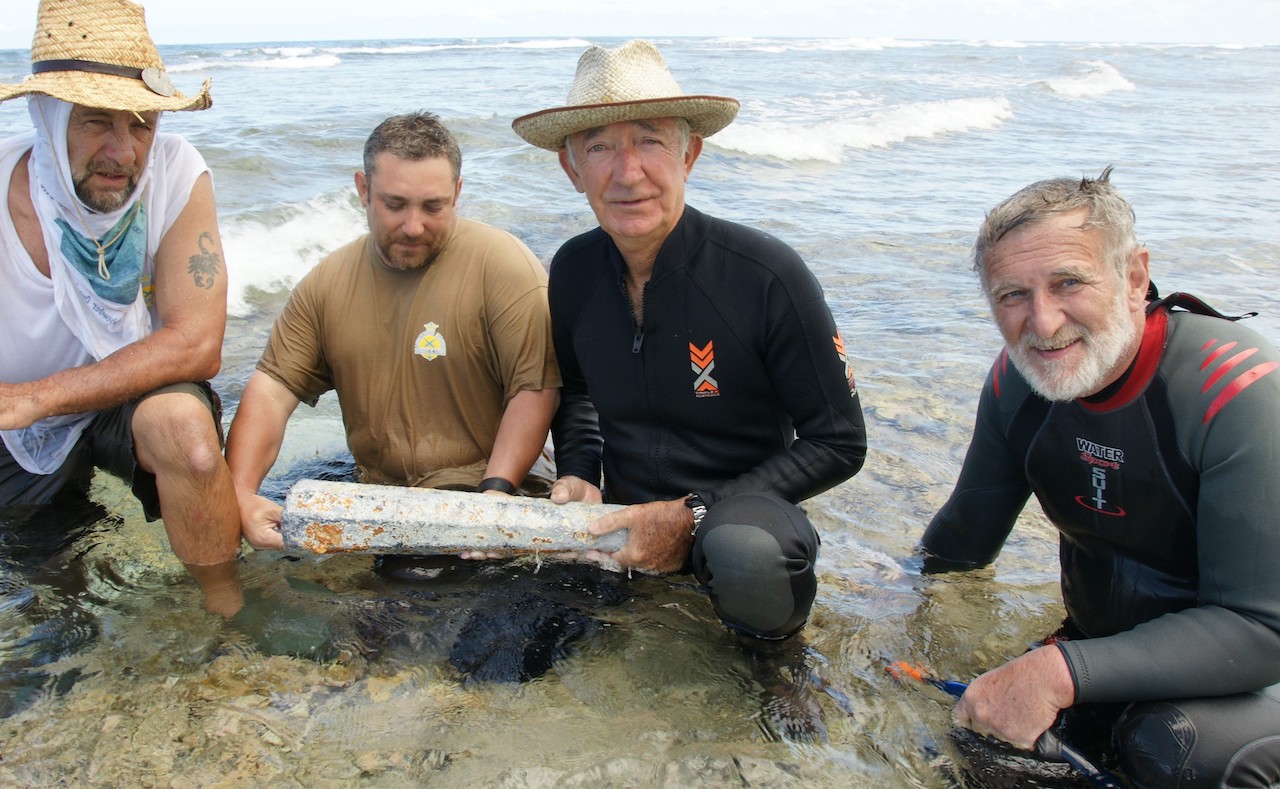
{"points": [[283, 61], [1100, 79], [775, 45], [270, 252], [829, 140]]}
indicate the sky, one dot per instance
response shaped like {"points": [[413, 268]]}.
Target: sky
{"points": [[1146, 21]]}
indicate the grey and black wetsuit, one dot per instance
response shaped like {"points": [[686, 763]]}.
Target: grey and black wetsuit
{"points": [[1165, 489]]}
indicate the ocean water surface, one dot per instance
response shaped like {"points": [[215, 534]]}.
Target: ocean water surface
{"points": [[876, 160]]}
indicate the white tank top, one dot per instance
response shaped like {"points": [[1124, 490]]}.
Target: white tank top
{"points": [[34, 341]]}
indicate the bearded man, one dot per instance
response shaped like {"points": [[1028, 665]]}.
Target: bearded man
{"points": [[433, 330], [114, 297], [1149, 431]]}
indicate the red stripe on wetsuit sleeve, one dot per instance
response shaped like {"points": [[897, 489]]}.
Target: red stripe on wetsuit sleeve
{"points": [[1001, 367], [1208, 360], [1226, 367], [1246, 379]]}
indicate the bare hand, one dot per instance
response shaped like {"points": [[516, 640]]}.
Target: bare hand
{"points": [[659, 535], [572, 488], [260, 522], [1020, 700]]}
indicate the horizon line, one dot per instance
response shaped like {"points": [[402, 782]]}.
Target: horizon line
{"points": [[867, 39]]}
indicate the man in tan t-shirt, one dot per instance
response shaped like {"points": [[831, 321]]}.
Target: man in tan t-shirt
{"points": [[432, 329]]}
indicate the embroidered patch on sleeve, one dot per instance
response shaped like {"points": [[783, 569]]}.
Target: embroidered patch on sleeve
{"points": [[844, 359]]}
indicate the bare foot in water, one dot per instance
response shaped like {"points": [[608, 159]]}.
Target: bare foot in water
{"points": [[221, 586]]}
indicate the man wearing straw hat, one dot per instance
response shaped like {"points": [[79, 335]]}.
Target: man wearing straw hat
{"points": [[114, 297], [705, 382]]}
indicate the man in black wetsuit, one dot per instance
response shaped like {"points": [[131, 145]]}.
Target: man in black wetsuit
{"points": [[703, 372], [1151, 437]]}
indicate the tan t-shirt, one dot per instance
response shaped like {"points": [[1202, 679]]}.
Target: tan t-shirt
{"points": [[424, 362]]}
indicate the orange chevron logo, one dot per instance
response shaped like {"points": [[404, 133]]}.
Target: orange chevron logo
{"points": [[702, 356], [702, 361], [844, 359]]}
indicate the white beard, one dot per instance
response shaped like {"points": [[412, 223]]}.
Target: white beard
{"points": [[1104, 350]]}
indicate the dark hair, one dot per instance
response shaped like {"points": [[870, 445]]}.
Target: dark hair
{"points": [[1106, 210], [413, 136]]}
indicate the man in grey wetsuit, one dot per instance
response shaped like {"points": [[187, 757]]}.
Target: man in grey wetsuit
{"points": [[1151, 438], [703, 372]]}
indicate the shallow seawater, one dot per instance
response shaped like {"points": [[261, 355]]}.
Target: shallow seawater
{"points": [[336, 675]]}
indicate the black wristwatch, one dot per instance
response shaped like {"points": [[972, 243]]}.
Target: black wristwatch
{"points": [[496, 483], [694, 502]]}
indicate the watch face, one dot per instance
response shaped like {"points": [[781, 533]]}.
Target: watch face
{"points": [[695, 504]]}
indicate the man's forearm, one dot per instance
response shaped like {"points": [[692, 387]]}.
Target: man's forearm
{"points": [[257, 431], [157, 360], [575, 431], [522, 434], [1218, 652], [801, 471]]}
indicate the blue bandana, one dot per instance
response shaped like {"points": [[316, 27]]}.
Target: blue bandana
{"points": [[124, 258]]}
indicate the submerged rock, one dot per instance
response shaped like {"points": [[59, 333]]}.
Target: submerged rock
{"points": [[998, 765], [516, 637]]}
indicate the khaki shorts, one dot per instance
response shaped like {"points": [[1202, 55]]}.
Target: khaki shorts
{"points": [[106, 444]]}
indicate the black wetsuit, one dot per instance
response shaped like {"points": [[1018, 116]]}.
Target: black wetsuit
{"points": [[1165, 489], [737, 381]]}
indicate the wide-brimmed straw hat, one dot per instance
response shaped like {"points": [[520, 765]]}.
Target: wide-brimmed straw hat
{"points": [[629, 83], [97, 53]]}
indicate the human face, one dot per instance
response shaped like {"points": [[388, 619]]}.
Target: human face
{"points": [[633, 174], [107, 150], [412, 208], [1071, 322]]}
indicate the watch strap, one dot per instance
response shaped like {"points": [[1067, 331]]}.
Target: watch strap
{"points": [[496, 483]]}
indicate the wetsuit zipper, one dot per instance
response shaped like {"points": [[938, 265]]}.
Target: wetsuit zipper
{"points": [[638, 339]]}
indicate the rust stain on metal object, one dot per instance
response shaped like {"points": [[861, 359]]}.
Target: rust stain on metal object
{"points": [[342, 517]]}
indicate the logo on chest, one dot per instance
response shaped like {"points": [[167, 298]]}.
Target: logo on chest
{"points": [[1103, 463], [703, 362], [430, 343]]}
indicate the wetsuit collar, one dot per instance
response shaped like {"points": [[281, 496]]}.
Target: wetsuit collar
{"points": [[1140, 372], [676, 249]]}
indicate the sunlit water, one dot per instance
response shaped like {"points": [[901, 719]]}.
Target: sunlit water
{"points": [[876, 160]]}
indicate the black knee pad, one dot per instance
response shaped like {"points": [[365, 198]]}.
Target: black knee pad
{"points": [[1155, 741], [1232, 741], [755, 553]]}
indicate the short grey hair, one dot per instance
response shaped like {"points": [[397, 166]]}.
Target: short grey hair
{"points": [[413, 137], [682, 128], [1106, 210]]}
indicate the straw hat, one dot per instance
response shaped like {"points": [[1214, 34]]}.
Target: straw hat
{"points": [[97, 53], [629, 83]]}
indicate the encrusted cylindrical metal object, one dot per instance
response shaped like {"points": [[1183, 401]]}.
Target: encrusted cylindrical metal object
{"points": [[346, 517]]}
